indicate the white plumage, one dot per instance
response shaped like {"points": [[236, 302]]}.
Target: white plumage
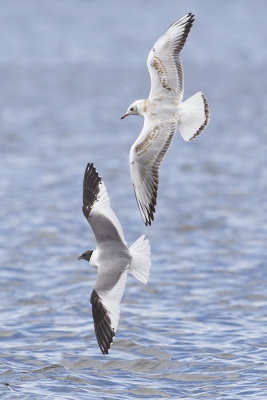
{"points": [[112, 258], [163, 113]]}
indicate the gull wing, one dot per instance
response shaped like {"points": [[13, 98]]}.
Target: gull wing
{"points": [[96, 208], [164, 62], [105, 299], [146, 156]]}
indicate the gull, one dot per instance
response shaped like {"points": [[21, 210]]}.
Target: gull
{"points": [[112, 258], [164, 113]]}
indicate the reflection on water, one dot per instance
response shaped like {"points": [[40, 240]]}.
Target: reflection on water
{"points": [[198, 329]]}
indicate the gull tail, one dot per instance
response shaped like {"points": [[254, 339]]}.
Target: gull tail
{"points": [[193, 116], [141, 262]]}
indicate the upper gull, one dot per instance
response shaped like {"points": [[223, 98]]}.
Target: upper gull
{"points": [[112, 258], [163, 113]]}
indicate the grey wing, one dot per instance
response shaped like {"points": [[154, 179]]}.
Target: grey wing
{"points": [[96, 208], [105, 299], [146, 156], [164, 62]]}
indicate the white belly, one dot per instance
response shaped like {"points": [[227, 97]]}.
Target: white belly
{"points": [[94, 260]]}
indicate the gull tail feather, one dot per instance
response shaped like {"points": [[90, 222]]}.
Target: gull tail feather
{"points": [[193, 116], [141, 262]]}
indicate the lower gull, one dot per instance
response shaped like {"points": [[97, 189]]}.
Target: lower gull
{"points": [[112, 258]]}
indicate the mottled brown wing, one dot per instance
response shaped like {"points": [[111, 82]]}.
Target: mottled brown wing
{"points": [[164, 62], [146, 156]]}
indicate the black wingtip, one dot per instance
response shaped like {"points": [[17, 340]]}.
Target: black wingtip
{"points": [[148, 212], [102, 322], [91, 183], [187, 19], [151, 213], [90, 174], [191, 15]]}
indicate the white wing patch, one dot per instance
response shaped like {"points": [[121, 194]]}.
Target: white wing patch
{"points": [[111, 300], [106, 312], [102, 206], [97, 209]]}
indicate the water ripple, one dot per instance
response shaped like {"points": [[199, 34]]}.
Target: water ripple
{"points": [[198, 329]]}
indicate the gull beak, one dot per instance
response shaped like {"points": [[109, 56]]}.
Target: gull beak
{"points": [[80, 258], [124, 115]]}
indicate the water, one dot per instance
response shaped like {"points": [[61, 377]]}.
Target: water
{"points": [[69, 69]]}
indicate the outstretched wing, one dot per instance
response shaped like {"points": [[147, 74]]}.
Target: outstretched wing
{"points": [[96, 208], [105, 300], [164, 62], [146, 156]]}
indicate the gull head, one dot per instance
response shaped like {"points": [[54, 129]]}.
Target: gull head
{"points": [[137, 108], [86, 255]]}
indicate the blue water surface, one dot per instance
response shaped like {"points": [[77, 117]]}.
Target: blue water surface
{"points": [[69, 69]]}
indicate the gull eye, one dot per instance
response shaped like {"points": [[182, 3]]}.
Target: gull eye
{"points": [[131, 109]]}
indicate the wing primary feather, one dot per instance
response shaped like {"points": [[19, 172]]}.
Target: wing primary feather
{"points": [[164, 62], [147, 216], [179, 43], [188, 22], [91, 189], [109, 333], [104, 340], [147, 196], [97, 210], [99, 341], [102, 323]]}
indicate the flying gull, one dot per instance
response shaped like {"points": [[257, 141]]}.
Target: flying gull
{"points": [[163, 113], [112, 258]]}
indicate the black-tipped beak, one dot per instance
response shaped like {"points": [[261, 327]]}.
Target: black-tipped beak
{"points": [[124, 115], [80, 258]]}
